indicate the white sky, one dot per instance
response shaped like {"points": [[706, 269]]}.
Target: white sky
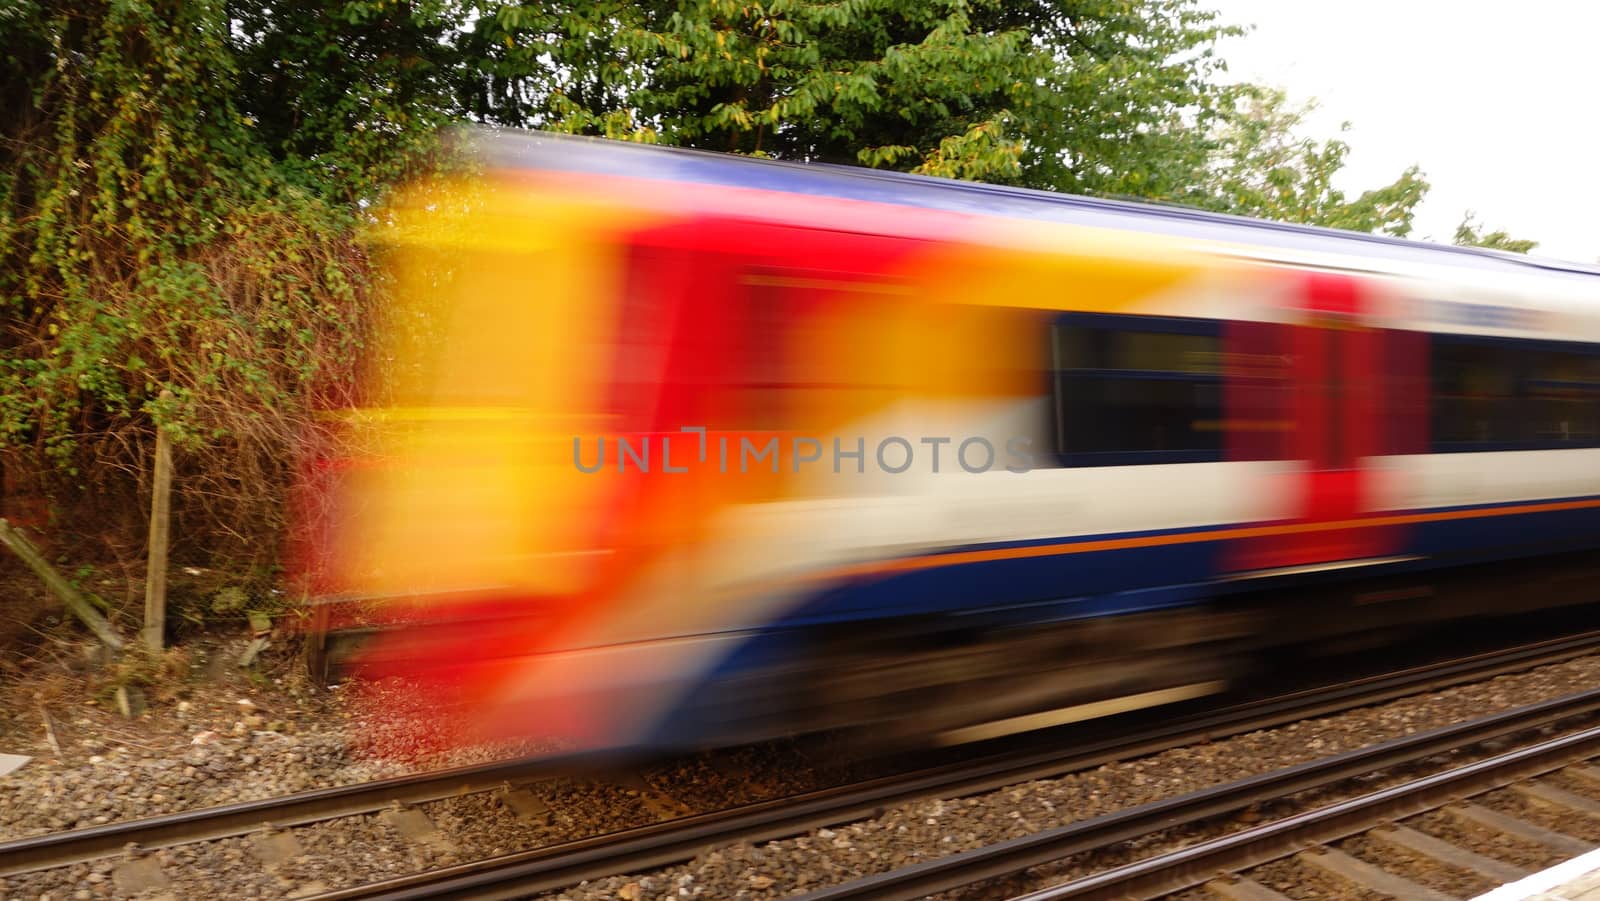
{"points": [[1494, 101]]}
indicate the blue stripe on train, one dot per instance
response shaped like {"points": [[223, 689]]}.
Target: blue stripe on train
{"points": [[1036, 590], [1506, 536], [1108, 582]]}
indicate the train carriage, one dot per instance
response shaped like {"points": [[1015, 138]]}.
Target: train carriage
{"points": [[680, 449]]}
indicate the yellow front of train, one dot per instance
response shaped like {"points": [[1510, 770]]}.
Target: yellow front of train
{"points": [[457, 519]]}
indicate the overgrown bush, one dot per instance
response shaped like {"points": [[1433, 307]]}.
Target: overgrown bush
{"points": [[159, 268]]}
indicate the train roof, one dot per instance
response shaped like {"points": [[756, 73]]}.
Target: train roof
{"points": [[544, 150]]}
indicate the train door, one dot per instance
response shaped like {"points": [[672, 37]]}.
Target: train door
{"points": [[1324, 400]]}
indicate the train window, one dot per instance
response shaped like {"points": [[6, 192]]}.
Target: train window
{"points": [[1563, 407], [1475, 404], [1493, 394], [1137, 351], [1134, 389]]}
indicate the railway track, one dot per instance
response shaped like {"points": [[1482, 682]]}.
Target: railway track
{"points": [[1381, 814], [1199, 864], [560, 866], [680, 837]]}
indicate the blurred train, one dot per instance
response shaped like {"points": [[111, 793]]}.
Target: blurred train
{"points": [[672, 449]]}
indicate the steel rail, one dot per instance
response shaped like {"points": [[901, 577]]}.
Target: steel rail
{"points": [[1011, 857], [208, 823], [666, 843], [1200, 863]]}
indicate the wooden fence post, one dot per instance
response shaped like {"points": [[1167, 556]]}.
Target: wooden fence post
{"points": [[155, 578]]}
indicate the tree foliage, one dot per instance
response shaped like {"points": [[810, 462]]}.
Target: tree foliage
{"points": [[1091, 96], [345, 94], [1087, 95], [1470, 234], [1262, 166]]}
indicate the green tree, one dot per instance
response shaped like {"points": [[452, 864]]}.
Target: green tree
{"points": [[1073, 94], [1260, 165], [346, 94], [1470, 234], [1104, 97]]}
